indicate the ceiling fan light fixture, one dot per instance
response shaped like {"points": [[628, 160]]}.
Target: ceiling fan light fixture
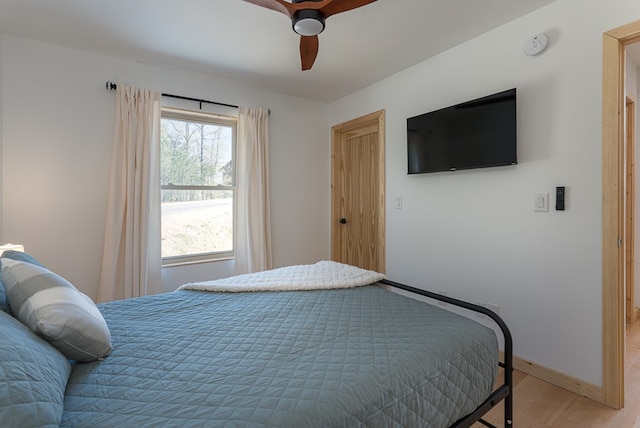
{"points": [[308, 22], [307, 19]]}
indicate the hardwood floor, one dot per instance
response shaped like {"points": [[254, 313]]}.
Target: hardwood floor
{"points": [[538, 404]]}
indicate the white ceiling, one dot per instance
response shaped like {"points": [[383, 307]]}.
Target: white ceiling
{"points": [[239, 40]]}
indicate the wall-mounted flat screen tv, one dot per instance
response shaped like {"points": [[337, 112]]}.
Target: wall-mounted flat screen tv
{"points": [[476, 134]]}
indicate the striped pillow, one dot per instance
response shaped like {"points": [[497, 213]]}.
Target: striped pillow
{"points": [[14, 255], [54, 309]]}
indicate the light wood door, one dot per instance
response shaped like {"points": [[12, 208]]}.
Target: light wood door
{"points": [[358, 192]]}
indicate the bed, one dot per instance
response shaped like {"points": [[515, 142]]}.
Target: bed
{"points": [[358, 356]]}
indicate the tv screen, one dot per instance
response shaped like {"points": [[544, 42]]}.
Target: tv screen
{"points": [[476, 134]]}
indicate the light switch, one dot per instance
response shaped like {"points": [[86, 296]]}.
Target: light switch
{"points": [[541, 202], [398, 202]]}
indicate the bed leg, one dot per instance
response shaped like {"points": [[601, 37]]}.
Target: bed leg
{"points": [[508, 403], [508, 375]]}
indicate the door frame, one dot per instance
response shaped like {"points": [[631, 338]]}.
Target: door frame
{"points": [[377, 119], [613, 135], [630, 210]]}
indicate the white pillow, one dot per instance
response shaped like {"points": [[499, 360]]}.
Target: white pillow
{"points": [[54, 309]]}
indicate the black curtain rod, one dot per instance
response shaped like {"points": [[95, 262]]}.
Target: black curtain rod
{"points": [[113, 86]]}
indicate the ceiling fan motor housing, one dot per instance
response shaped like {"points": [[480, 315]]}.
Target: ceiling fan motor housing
{"points": [[308, 22]]}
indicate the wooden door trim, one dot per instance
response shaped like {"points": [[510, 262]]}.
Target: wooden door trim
{"points": [[630, 201], [613, 320], [351, 127]]}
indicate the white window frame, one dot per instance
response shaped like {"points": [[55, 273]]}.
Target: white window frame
{"points": [[215, 119]]}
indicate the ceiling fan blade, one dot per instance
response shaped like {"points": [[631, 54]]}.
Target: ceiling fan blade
{"points": [[327, 7], [277, 5], [333, 7], [309, 10], [308, 51]]}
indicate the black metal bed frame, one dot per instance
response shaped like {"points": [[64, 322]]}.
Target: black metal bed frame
{"points": [[503, 392]]}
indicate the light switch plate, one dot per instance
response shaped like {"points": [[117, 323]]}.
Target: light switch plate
{"points": [[398, 202], [541, 202]]}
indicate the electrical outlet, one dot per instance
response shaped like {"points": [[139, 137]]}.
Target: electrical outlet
{"points": [[494, 308]]}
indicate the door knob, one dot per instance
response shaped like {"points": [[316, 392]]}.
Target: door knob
{"points": [[343, 221]]}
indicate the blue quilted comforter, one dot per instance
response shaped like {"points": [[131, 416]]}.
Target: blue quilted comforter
{"points": [[340, 358]]}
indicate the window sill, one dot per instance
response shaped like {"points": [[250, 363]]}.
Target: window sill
{"points": [[195, 262]]}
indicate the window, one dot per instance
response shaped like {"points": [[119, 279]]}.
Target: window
{"points": [[197, 185]]}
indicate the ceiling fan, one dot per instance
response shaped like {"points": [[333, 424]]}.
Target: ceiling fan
{"points": [[307, 18]]}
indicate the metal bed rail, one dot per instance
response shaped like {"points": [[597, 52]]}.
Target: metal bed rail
{"points": [[503, 392]]}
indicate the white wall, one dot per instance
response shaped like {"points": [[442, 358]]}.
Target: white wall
{"points": [[474, 233], [56, 142]]}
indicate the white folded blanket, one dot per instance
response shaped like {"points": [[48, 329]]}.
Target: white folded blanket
{"points": [[323, 275]]}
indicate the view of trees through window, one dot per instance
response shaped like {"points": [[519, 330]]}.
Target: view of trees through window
{"points": [[197, 182]]}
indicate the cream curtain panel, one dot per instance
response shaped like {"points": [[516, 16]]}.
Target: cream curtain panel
{"points": [[253, 230], [131, 264]]}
